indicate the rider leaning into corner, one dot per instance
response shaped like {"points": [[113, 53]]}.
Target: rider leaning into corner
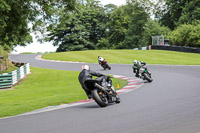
{"points": [[136, 67], [100, 59], [86, 74]]}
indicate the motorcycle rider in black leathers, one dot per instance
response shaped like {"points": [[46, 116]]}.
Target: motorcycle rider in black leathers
{"points": [[86, 74]]}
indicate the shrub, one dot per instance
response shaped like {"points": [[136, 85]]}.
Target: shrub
{"points": [[186, 35], [153, 28]]}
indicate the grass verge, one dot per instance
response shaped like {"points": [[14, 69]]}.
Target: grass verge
{"points": [[127, 56], [44, 87]]}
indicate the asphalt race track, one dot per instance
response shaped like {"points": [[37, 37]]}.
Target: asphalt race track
{"points": [[170, 104]]}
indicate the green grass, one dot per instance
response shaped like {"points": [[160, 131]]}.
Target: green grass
{"points": [[127, 56], [44, 87], [121, 83], [9, 69]]}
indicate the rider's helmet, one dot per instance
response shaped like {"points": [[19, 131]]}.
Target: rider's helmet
{"points": [[86, 67], [101, 59], [135, 62]]}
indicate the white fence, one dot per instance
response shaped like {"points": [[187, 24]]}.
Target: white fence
{"points": [[11, 78]]}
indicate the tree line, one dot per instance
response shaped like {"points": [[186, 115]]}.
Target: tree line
{"points": [[87, 25], [19, 18]]}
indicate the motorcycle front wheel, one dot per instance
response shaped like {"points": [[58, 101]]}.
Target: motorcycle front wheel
{"points": [[100, 98], [104, 67], [108, 67], [147, 77], [117, 99]]}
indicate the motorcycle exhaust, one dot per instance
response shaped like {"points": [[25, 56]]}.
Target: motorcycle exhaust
{"points": [[100, 87]]}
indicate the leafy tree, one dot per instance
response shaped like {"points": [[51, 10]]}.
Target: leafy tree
{"points": [[103, 43], [190, 12], [153, 28], [80, 30], [138, 17], [109, 8], [179, 12], [94, 20], [70, 35], [15, 15], [186, 35], [117, 28]]}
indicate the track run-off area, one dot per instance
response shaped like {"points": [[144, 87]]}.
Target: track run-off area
{"points": [[170, 104]]}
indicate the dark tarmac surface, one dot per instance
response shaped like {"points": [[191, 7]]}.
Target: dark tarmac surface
{"points": [[170, 104]]}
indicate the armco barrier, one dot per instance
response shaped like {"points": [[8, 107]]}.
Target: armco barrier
{"points": [[7, 80], [177, 48]]}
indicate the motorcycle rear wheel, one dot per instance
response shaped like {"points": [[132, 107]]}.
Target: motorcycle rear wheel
{"points": [[108, 67], [100, 99]]}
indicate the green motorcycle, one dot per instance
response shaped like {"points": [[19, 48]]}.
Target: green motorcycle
{"points": [[144, 73]]}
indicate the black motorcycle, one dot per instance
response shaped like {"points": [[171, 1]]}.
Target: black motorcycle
{"points": [[105, 65], [102, 92]]}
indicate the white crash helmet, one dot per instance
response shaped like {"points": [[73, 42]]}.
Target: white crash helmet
{"points": [[135, 62], [85, 67], [101, 59]]}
